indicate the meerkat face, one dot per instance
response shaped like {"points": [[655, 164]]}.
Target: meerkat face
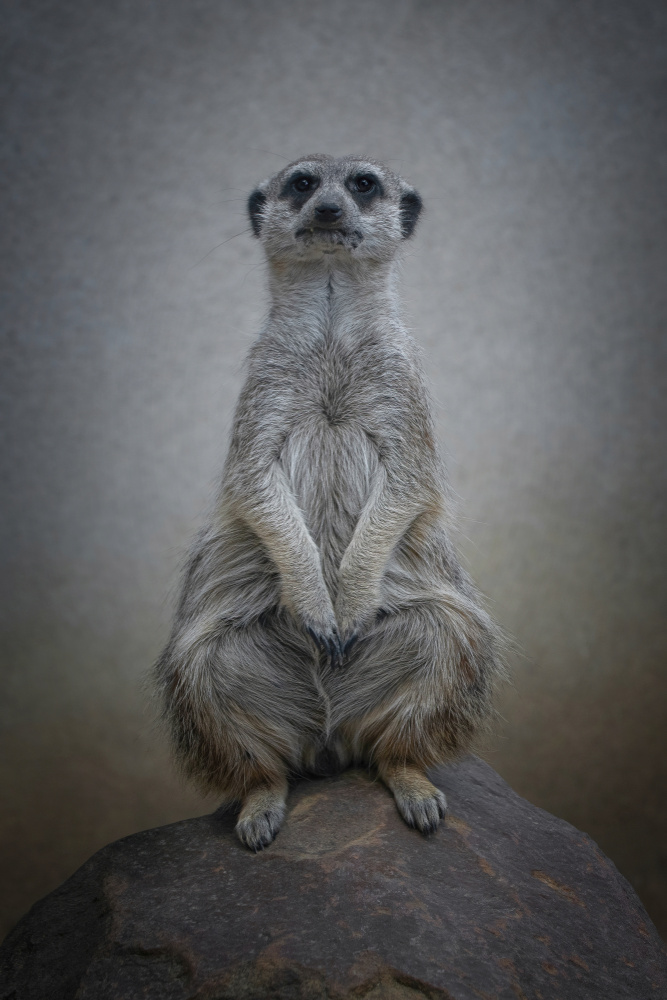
{"points": [[321, 207]]}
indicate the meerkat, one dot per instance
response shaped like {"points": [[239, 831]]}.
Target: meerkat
{"points": [[325, 619]]}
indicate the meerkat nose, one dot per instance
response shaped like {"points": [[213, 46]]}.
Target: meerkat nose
{"points": [[328, 212]]}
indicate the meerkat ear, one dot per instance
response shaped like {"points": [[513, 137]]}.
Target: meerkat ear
{"points": [[256, 203], [411, 206]]}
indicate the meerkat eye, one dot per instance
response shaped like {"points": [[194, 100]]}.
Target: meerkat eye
{"points": [[303, 184], [364, 184]]}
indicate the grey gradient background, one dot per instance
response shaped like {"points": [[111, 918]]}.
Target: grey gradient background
{"points": [[536, 133]]}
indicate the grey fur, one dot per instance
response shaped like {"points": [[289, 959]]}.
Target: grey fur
{"points": [[324, 614]]}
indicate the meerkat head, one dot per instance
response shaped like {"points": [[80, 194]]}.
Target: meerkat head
{"points": [[321, 207]]}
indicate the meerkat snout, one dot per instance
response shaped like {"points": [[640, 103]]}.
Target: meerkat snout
{"points": [[328, 212]]}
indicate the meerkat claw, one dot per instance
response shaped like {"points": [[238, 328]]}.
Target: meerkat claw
{"points": [[349, 642], [336, 659]]}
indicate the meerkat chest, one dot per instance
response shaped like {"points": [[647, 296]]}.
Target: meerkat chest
{"points": [[346, 387], [331, 466], [331, 450]]}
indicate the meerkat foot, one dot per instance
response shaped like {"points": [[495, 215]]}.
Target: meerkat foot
{"points": [[261, 816], [419, 802]]}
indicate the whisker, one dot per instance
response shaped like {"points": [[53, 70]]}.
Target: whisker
{"points": [[242, 233], [255, 149]]}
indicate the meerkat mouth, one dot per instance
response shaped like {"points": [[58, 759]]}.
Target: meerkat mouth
{"points": [[331, 235]]}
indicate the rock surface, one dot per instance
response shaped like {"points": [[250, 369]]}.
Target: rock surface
{"points": [[505, 901]]}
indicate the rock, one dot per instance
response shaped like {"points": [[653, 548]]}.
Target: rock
{"points": [[505, 901]]}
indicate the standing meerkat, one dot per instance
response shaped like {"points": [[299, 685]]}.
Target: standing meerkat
{"points": [[324, 618]]}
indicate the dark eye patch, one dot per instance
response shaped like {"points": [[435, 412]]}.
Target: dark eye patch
{"points": [[299, 187], [364, 187], [303, 184]]}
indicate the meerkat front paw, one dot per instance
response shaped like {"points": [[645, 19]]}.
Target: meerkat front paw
{"points": [[355, 608], [315, 612], [419, 802], [328, 642], [261, 817], [350, 624]]}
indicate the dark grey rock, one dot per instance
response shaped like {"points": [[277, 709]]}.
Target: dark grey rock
{"points": [[505, 901]]}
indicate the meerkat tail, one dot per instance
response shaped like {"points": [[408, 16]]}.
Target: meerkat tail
{"points": [[419, 802]]}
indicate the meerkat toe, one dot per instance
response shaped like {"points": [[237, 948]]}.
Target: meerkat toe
{"points": [[349, 642]]}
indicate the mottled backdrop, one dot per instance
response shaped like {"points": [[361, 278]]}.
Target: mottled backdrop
{"points": [[537, 284]]}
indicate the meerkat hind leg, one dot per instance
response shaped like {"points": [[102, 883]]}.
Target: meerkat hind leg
{"points": [[261, 815], [419, 802]]}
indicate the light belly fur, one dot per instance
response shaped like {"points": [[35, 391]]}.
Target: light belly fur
{"points": [[330, 468]]}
